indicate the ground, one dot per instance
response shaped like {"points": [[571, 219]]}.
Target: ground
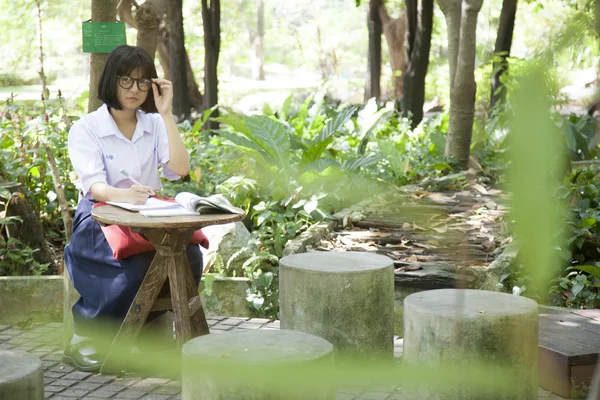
{"points": [[62, 382]]}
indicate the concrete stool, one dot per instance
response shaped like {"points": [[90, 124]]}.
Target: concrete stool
{"points": [[21, 376], [346, 298], [456, 326], [224, 366]]}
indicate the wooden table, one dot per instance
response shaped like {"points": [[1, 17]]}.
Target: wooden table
{"points": [[170, 262], [569, 343]]}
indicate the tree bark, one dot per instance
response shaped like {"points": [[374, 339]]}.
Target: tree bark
{"points": [[452, 10], [162, 49], [462, 91], [181, 102], [147, 19], [258, 43], [394, 31], [373, 82], [102, 11], [502, 49], [211, 19], [30, 232], [419, 16]]}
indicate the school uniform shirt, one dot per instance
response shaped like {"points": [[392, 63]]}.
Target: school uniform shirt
{"points": [[98, 150]]}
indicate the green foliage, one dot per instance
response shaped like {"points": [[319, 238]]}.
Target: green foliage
{"points": [[17, 259], [26, 129]]}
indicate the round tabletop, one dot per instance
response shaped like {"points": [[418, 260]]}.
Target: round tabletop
{"points": [[112, 215]]}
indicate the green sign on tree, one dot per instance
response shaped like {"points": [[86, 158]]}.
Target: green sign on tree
{"points": [[102, 37]]}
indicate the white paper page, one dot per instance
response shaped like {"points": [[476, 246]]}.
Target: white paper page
{"points": [[151, 204], [186, 199], [168, 212]]}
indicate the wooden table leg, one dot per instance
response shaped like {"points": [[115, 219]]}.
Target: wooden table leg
{"points": [[198, 318], [139, 309]]}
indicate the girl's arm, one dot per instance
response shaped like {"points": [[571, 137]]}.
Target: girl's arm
{"points": [[179, 159], [137, 194]]}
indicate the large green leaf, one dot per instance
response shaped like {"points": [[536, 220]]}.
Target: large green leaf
{"points": [[331, 173], [397, 162], [336, 123], [350, 165], [314, 152], [590, 269], [322, 163], [271, 136]]}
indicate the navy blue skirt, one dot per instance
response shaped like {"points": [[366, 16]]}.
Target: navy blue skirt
{"points": [[107, 286]]}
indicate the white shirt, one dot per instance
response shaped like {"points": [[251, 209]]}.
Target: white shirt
{"points": [[98, 150]]}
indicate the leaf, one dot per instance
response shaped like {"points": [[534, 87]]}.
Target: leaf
{"points": [[588, 222], [197, 174], [336, 123], [441, 166], [311, 205], [272, 137], [579, 285], [590, 269]]}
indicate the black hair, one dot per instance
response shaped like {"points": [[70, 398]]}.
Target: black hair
{"points": [[120, 62]]}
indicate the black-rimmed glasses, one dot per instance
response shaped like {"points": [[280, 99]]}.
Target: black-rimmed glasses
{"points": [[126, 82]]}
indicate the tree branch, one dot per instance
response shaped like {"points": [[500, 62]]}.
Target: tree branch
{"points": [[124, 12]]}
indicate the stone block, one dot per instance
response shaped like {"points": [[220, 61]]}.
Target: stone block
{"points": [[346, 298]]}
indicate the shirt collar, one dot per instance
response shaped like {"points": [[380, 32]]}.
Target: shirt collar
{"points": [[107, 125]]}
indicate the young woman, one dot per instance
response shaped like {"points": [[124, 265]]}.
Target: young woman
{"points": [[133, 130]]}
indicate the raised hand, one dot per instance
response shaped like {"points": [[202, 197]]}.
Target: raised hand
{"points": [[164, 101]]}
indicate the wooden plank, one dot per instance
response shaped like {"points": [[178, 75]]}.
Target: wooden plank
{"points": [[562, 334], [198, 318], [593, 313], [177, 281], [553, 372], [111, 215], [138, 311]]}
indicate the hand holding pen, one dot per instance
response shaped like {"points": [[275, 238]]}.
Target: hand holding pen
{"points": [[139, 192]]}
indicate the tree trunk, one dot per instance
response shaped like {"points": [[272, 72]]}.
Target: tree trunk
{"points": [[420, 25], [452, 10], [373, 82], [211, 19], [462, 91], [181, 102], [394, 31], [41, 43], [502, 50], [147, 19], [30, 231], [102, 11], [258, 43], [162, 48]]}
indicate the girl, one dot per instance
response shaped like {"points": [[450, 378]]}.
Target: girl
{"points": [[133, 130]]}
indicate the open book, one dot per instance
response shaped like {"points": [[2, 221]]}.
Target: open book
{"points": [[185, 204]]}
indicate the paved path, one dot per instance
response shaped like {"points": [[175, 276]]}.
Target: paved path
{"points": [[63, 382]]}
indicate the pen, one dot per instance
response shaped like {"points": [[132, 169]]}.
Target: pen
{"points": [[125, 174], [131, 178]]}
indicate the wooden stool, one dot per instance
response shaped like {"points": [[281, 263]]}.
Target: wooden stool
{"points": [[169, 262]]}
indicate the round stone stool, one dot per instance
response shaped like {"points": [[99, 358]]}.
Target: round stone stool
{"points": [[454, 327], [254, 365], [346, 298], [21, 376]]}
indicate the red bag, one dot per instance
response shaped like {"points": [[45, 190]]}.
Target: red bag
{"points": [[125, 243]]}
